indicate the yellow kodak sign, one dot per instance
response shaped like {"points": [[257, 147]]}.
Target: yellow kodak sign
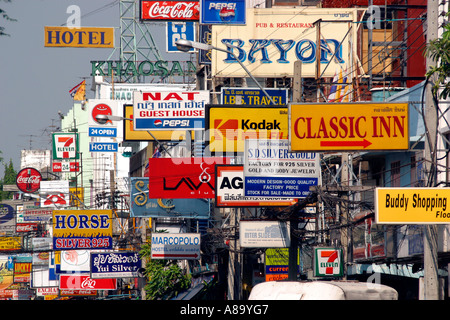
{"points": [[229, 126], [92, 37], [348, 126], [412, 205]]}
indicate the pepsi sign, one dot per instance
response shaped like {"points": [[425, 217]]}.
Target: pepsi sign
{"points": [[222, 12]]}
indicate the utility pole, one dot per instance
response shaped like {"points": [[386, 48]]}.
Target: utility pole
{"points": [[430, 254]]}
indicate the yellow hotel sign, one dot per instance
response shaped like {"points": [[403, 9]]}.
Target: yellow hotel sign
{"points": [[412, 205], [83, 37], [348, 126], [229, 126]]}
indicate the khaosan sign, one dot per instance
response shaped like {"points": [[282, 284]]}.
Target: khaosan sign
{"points": [[229, 126], [349, 126], [82, 229], [142, 206], [170, 110], [82, 37], [274, 38], [271, 170], [412, 205]]}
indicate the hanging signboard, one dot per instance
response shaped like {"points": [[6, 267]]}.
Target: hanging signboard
{"points": [[80, 37], [54, 193], [230, 190], [264, 234], [348, 126], [176, 30], [274, 38], [412, 205], [170, 10], [222, 12], [28, 180], [170, 110], [84, 282], [176, 246], [82, 229], [229, 126], [172, 178], [65, 145], [103, 107], [271, 170], [115, 265], [328, 262], [253, 96], [142, 206]]}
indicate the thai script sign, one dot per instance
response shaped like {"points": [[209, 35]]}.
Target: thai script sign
{"points": [[274, 38], [82, 229], [79, 37], [85, 282], [115, 264], [170, 110]]}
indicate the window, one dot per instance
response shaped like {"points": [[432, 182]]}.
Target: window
{"points": [[395, 174]]}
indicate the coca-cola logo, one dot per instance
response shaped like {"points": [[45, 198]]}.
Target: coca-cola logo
{"points": [[28, 180], [171, 10]]}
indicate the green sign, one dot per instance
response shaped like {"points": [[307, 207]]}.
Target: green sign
{"points": [[328, 262], [158, 68]]}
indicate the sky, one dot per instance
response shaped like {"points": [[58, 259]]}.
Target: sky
{"points": [[35, 80]]}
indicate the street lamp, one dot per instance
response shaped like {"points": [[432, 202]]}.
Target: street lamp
{"points": [[185, 45], [103, 118]]}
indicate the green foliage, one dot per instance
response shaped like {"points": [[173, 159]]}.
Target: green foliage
{"points": [[165, 277], [439, 51], [8, 178]]}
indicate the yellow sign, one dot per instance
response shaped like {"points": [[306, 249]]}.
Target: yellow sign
{"points": [[76, 194], [412, 205], [79, 37], [138, 135], [229, 126], [10, 243], [82, 229], [349, 126]]}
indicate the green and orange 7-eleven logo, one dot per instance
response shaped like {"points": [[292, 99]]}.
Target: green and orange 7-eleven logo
{"points": [[65, 145], [328, 262]]}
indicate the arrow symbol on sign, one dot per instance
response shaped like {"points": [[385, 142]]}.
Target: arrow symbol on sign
{"points": [[363, 143]]}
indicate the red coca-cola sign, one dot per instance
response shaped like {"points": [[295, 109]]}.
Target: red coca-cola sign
{"points": [[170, 10], [28, 180]]}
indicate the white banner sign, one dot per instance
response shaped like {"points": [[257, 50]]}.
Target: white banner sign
{"points": [[176, 246], [264, 234]]}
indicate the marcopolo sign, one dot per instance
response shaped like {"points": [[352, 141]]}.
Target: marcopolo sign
{"points": [[176, 246]]}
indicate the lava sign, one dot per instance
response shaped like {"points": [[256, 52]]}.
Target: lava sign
{"points": [[348, 126]]}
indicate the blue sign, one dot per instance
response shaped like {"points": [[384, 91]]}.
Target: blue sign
{"points": [[253, 96], [142, 206], [179, 30], [278, 186], [205, 32], [115, 265], [170, 124], [103, 147], [102, 132], [222, 12]]}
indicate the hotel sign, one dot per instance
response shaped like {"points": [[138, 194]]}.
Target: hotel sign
{"points": [[79, 37]]}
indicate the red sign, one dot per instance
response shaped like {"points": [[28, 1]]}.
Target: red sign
{"points": [[84, 282], [65, 167], [26, 227], [28, 180], [181, 178], [170, 10]]}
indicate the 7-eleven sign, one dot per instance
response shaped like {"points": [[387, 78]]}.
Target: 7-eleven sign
{"points": [[65, 145], [328, 262]]}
